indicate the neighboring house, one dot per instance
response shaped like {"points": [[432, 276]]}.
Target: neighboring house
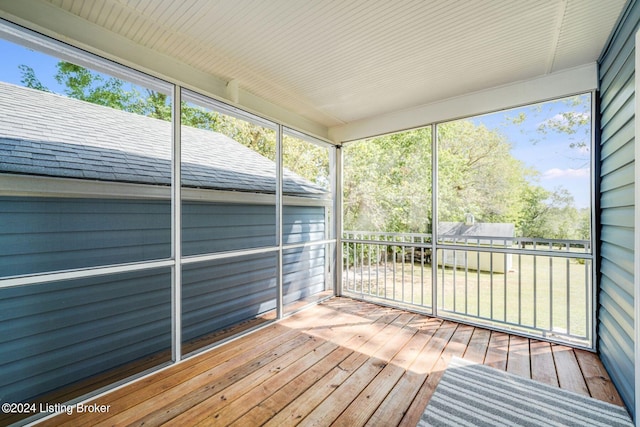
{"points": [[93, 190]]}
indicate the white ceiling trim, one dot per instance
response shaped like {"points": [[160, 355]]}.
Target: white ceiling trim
{"points": [[58, 24], [556, 85]]}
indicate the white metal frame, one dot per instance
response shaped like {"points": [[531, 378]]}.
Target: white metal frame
{"points": [[176, 231]]}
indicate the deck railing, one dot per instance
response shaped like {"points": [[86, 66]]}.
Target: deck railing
{"points": [[539, 287]]}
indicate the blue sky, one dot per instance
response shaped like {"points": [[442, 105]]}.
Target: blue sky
{"points": [[13, 55], [558, 164], [550, 154]]}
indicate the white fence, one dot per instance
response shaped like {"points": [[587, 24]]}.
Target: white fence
{"points": [[537, 287]]}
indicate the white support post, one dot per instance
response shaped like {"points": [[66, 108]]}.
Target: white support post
{"points": [[279, 209], [434, 219], [176, 230], [337, 221]]}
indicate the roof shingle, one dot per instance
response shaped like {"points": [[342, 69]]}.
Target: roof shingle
{"points": [[47, 134]]}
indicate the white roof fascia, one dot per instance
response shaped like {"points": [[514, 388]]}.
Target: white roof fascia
{"points": [[569, 82]]}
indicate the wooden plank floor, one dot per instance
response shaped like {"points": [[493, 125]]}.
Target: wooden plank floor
{"points": [[344, 363]]}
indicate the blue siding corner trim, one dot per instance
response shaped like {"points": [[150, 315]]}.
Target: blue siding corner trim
{"points": [[617, 182]]}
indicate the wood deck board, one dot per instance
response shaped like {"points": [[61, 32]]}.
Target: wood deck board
{"points": [[146, 388], [350, 377], [498, 351], [371, 398], [213, 405], [193, 390], [519, 359], [397, 402], [343, 362], [255, 395], [356, 333], [596, 377], [359, 384], [455, 348], [478, 346], [543, 367], [570, 375]]}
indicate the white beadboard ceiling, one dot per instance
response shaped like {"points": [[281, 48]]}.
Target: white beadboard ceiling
{"points": [[336, 62]]}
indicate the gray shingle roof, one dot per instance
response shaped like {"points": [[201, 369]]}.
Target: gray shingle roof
{"points": [[47, 134]]}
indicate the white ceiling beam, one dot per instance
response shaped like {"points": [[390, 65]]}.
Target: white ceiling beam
{"points": [[562, 83], [58, 24], [557, 31]]}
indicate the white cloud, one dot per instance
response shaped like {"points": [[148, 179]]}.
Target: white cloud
{"points": [[560, 119], [556, 173]]}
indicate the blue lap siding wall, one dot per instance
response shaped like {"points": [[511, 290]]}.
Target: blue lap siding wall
{"points": [[61, 332], [616, 279]]}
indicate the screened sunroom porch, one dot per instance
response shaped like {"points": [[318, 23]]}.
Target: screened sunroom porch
{"points": [[228, 210]]}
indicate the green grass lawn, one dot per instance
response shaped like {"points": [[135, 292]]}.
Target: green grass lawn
{"points": [[550, 295]]}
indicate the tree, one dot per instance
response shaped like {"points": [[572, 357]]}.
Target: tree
{"points": [[477, 174], [303, 158], [30, 80], [552, 215], [307, 160], [90, 86], [387, 183], [575, 122], [387, 179]]}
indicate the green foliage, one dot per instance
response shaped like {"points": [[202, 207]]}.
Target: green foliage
{"points": [[307, 160], [573, 123], [81, 83], [30, 80], [552, 215], [477, 174], [387, 183], [86, 85]]}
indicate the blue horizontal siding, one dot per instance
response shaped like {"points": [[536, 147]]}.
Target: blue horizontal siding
{"points": [[618, 216], [218, 227], [303, 224], [618, 159], [609, 351], [49, 234], [220, 293], [623, 136], [303, 271], [616, 335], [217, 294], [619, 97], [58, 333], [617, 196]]}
